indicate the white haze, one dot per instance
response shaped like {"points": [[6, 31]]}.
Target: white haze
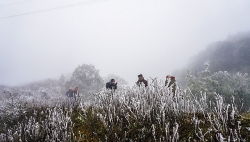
{"points": [[122, 37]]}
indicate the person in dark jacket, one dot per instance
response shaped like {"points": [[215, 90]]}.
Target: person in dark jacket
{"points": [[69, 93], [111, 85], [141, 80]]}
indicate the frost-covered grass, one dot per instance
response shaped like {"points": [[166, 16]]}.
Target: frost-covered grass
{"points": [[35, 118], [128, 114]]}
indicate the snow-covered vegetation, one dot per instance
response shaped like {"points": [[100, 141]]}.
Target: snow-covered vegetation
{"points": [[154, 113], [231, 86]]}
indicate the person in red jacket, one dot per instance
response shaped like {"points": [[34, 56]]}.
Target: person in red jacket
{"points": [[75, 92], [141, 80]]}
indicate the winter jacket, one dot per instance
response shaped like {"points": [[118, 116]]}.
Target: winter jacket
{"points": [[142, 81], [172, 83], [75, 92], [69, 93], [110, 85]]}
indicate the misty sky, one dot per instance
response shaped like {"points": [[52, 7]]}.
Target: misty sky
{"points": [[123, 37]]}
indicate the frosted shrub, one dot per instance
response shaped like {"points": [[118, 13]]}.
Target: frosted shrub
{"points": [[56, 126], [155, 113], [35, 118], [228, 85]]}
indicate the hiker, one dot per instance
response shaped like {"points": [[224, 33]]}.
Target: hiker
{"points": [[75, 92], [141, 80], [111, 85], [69, 93], [171, 82]]}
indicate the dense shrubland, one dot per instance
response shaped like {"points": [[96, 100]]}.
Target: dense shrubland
{"points": [[229, 85], [129, 114]]}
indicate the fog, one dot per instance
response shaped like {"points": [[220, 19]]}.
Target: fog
{"points": [[119, 37]]}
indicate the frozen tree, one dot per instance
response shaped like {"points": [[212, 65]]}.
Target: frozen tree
{"points": [[229, 85], [87, 79], [62, 79]]}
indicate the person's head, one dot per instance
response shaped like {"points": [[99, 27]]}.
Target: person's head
{"points": [[140, 77], [172, 78], [112, 81]]}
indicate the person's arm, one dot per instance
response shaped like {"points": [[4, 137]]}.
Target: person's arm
{"points": [[137, 82], [107, 85]]}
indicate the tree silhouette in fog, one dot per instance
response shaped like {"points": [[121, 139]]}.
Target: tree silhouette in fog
{"points": [[87, 79]]}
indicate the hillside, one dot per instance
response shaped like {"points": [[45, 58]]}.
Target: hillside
{"points": [[231, 55]]}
